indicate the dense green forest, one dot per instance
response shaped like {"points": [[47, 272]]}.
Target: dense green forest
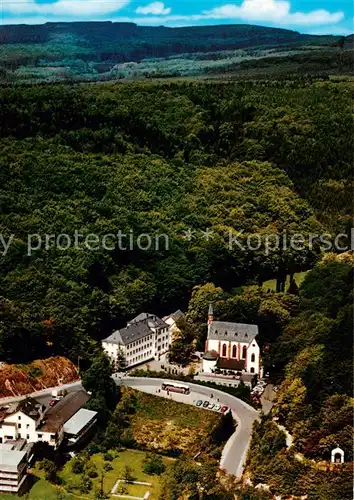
{"points": [[315, 399], [170, 159], [103, 51]]}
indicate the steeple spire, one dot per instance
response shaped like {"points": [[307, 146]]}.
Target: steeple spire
{"points": [[210, 314]]}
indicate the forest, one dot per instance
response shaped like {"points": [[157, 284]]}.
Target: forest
{"points": [[107, 51], [172, 159]]}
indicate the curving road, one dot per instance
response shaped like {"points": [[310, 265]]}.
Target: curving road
{"points": [[235, 450]]}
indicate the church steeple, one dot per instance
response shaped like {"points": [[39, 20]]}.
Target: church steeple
{"points": [[210, 314]]}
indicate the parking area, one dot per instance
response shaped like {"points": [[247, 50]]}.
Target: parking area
{"points": [[208, 403]]}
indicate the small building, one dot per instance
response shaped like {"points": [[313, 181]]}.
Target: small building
{"points": [[52, 428], [144, 338], [337, 456], [231, 348], [79, 424], [20, 420], [172, 320], [13, 467]]}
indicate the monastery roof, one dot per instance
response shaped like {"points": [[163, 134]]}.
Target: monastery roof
{"points": [[237, 332], [138, 328]]}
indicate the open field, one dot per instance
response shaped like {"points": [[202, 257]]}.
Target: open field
{"points": [[163, 425], [298, 277]]}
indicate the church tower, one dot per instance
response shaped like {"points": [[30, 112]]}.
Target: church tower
{"points": [[210, 314]]}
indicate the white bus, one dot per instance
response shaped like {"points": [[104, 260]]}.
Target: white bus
{"points": [[175, 387]]}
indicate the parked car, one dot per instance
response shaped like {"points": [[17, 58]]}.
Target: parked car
{"points": [[262, 383], [205, 404], [217, 407], [53, 401], [211, 406], [224, 409], [199, 402]]}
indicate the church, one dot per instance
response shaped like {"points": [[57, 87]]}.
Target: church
{"points": [[231, 348]]}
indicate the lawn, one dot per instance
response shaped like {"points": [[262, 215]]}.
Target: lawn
{"points": [[298, 277], [167, 426], [43, 490]]}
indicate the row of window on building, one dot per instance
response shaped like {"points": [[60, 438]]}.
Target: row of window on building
{"points": [[234, 352]]}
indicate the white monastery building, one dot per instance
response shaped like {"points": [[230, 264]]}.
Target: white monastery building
{"points": [[231, 348], [144, 338]]}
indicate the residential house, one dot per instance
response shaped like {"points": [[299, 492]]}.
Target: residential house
{"points": [[33, 422]]}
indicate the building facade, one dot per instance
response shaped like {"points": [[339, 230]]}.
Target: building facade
{"points": [[32, 422], [231, 348], [145, 337], [13, 467]]}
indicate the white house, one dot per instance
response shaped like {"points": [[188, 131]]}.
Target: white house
{"points": [[20, 421], [231, 348], [144, 338], [172, 320], [30, 421]]}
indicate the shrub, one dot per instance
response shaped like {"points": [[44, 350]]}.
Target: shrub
{"points": [[77, 466], [91, 470], [86, 485], [108, 457], [107, 467], [92, 449], [153, 464]]}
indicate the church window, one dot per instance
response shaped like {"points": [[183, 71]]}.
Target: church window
{"points": [[244, 352], [252, 369], [253, 358], [234, 351], [224, 350]]}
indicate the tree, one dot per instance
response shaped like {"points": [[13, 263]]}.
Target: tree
{"points": [[121, 362], [50, 470], [98, 380], [128, 474], [153, 464]]}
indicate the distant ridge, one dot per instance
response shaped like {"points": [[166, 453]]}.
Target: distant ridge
{"points": [[227, 36]]}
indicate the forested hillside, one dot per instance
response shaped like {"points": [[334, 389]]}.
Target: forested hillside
{"points": [[315, 399], [102, 51], [172, 159]]}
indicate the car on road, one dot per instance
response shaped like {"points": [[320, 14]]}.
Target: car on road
{"points": [[53, 401], [217, 407], [199, 402], [211, 406], [261, 383], [205, 404], [224, 409]]}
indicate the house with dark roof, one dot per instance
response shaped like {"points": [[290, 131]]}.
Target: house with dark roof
{"points": [[32, 422], [145, 337], [231, 348]]}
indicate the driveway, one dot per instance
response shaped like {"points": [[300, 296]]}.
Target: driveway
{"points": [[235, 450]]}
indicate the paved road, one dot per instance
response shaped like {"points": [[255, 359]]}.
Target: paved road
{"points": [[235, 450], [45, 395]]}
